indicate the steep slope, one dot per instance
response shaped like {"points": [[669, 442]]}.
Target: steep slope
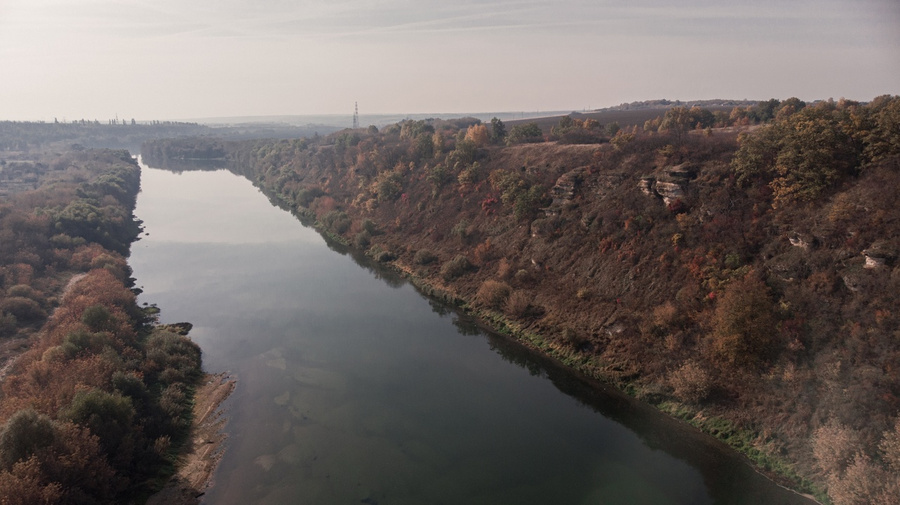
{"points": [[745, 283]]}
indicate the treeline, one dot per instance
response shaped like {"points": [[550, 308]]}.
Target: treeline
{"points": [[744, 280], [16, 136], [95, 410], [662, 102], [25, 136]]}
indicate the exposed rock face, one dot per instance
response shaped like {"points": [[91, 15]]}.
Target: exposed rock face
{"points": [[669, 191], [564, 190], [801, 241], [874, 262], [852, 282], [681, 173], [670, 184], [646, 185], [879, 255]]}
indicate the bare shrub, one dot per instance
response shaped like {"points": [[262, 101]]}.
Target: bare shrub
{"points": [[890, 446], [484, 252], [524, 277], [571, 338], [853, 477], [863, 483], [518, 304], [690, 382], [493, 294], [833, 446], [161, 445], [504, 269], [665, 314]]}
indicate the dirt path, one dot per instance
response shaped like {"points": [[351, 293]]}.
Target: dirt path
{"points": [[12, 348], [196, 466]]}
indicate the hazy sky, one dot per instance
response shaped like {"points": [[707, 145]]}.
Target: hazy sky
{"points": [[171, 59]]}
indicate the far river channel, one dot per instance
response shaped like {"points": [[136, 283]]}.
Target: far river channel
{"points": [[355, 389]]}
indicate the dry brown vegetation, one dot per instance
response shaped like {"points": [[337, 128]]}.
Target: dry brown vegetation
{"points": [[748, 283], [95, 409]]}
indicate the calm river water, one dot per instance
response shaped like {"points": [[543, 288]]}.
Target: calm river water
{"points": [[353, 388]]}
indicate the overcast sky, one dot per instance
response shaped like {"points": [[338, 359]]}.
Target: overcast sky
{"points": [[173, 59]]}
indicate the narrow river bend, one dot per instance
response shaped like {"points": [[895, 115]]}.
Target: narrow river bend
{"points": [[353, 388]]}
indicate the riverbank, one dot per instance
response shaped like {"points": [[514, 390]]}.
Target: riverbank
{"points": [[763, 458], [741, 441], [110, 389], [680, 267], [198, 462]]}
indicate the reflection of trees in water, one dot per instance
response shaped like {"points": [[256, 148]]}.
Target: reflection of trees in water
{"points": [[179, 166], [439, 308], [466, 327], [727, 474], [389, 276]]}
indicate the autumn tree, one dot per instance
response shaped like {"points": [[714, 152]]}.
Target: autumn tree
{"points": [[802, 155], [745, 325], [881, 132], [677, 121], [478, 135]]}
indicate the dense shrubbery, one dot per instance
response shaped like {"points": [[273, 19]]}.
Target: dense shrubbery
{"points": [[106, 381], [61, 225], [91, 412], [456, 267], [493, 294], [529, 132]]}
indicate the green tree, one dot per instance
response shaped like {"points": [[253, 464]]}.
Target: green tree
{"points": [[110, 417], [764, 111], [388, 186], [789, 107], [882, 131], [612, 128], [423, 148], [464, 154], [802, 155], [816, 152], [677, 121], [498, 131], [522, 133], [22, 435]]}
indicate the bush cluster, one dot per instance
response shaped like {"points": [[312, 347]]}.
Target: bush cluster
{"points": [[456, 267]]}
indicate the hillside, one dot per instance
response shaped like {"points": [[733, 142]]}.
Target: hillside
{"points": [[741, 277]]}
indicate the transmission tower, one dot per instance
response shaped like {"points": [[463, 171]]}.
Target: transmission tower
{"points": [[355, 115]]}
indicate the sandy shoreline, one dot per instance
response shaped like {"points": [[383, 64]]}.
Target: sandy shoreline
{"points": [[199, 461]]}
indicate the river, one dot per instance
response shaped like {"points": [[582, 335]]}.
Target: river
{"points": [[354, 388]]}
